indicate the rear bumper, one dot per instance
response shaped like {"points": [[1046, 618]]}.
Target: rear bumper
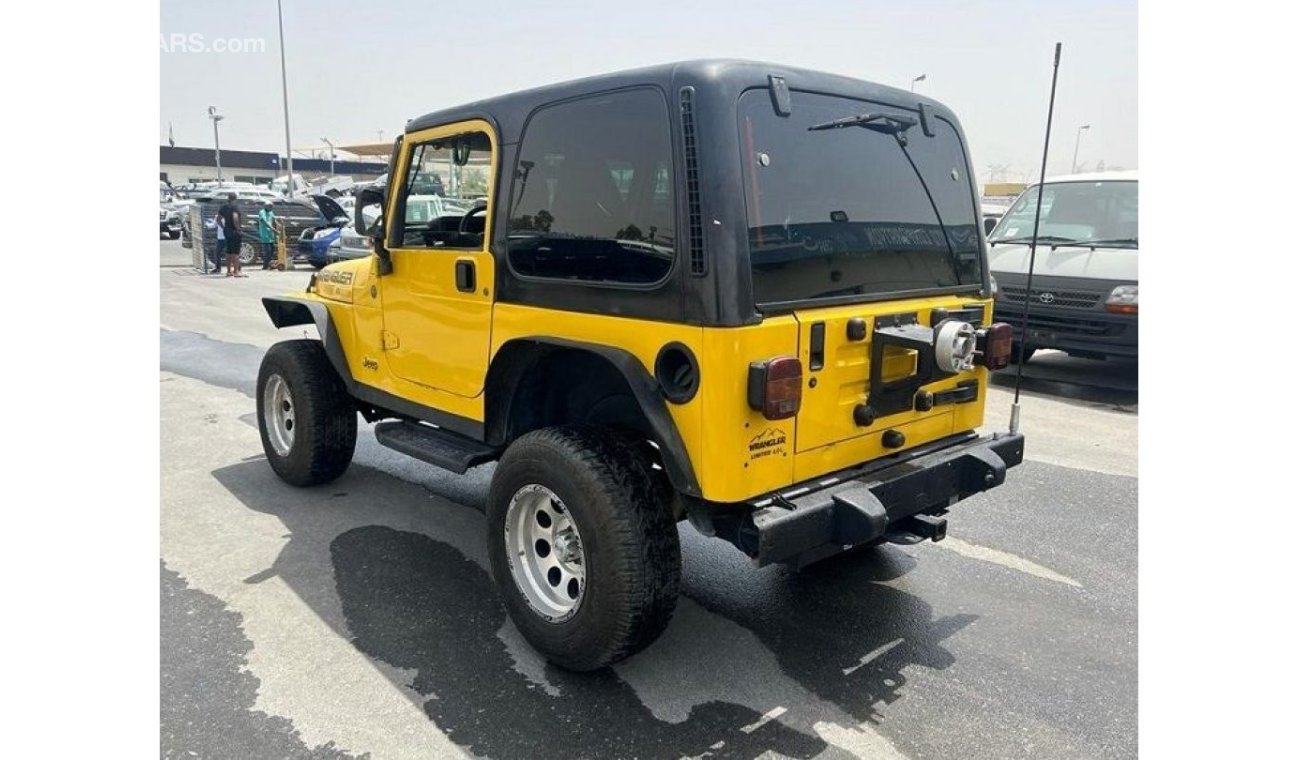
{"points": [[901, 497]]}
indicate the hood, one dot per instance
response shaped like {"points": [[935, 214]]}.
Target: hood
{"points": [[329, 208], [1066, 261]]}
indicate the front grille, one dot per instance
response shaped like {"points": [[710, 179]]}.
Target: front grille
{"points": [[1065, 324], [1078, 299]]}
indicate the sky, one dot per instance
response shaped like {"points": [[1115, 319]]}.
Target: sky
{"points": [[356, 70]]}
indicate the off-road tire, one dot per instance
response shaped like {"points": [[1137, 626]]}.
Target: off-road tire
{"points": [[325, 431], [632, 554]]}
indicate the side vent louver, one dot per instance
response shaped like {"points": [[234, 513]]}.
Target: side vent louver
{"points": [[694, 225]]}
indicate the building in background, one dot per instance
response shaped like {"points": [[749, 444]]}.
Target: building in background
{"points": [[180, 166]]}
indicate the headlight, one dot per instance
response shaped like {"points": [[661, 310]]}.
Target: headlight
{"points": [[1123, 300], [954, 346]]}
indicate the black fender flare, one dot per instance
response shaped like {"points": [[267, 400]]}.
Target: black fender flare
{"points": [[287, 312], [517, 355]]}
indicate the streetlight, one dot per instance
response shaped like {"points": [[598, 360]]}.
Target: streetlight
{"points": [[216, 137], [327, 142], [1074, 165], [917, 79], [284, 86]]}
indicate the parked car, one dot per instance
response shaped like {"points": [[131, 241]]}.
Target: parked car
{"points": [[169, 222], [296, 214], [992, 213], [314, 243], [1085, 295], [419, 208]]}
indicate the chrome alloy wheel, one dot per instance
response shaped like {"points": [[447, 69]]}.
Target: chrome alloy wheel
{"points": [[277, 404], [545, 553]]}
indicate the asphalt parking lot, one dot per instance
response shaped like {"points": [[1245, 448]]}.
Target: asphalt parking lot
{"points": [[359, 618]]}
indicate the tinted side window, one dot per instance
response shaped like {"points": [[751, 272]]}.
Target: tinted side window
{"points": [[593, 191]]}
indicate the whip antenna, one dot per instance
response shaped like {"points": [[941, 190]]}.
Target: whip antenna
{"points": [[1033, 247]]}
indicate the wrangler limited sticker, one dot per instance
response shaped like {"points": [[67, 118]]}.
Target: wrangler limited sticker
{"points": [[767, 443]]}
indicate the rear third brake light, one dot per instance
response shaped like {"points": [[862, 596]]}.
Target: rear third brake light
{"points": [[776, 387], [993, 345]]}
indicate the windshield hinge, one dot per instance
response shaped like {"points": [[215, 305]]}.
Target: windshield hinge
{"points": [[780, 94], [927, 119]]}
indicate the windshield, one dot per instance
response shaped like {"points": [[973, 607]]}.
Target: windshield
{"points": [[1075, 212], [847, 198]]}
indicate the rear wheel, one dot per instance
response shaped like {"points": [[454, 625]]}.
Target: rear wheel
{"points": [[248, 253], [304, 413], [582, 545]]}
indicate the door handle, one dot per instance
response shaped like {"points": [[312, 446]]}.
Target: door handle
{"points": [[465, 276]]}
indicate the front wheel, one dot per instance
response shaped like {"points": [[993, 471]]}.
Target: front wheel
{"points": [[304, 413], [583, 548]]}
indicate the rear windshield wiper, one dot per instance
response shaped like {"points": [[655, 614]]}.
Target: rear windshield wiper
{"points": [[879, 122]]}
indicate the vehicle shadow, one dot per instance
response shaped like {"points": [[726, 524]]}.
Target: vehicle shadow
{"points": [[1112, 382], [401, 573]]}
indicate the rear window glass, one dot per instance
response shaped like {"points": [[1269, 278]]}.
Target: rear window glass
{"points": [[838, 212]]}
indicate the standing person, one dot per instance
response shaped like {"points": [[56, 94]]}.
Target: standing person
{"points": [[266, 231], [229, 218]]}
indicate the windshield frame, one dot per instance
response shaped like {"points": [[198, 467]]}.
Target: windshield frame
{"points": [[855, 104]]}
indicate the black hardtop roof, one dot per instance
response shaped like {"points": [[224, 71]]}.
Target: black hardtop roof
{"points": [[508, 112]]}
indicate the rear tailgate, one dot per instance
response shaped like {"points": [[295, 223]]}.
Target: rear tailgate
{"points": [[836, 346]]}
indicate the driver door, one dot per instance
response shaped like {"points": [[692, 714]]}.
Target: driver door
{"points": [[438, 298]]}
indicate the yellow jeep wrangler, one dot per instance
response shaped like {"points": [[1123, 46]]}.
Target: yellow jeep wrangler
{"points": [[746, 295]]}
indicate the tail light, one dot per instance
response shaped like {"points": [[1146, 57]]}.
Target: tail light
{"points": [[776, 387], [993, 345]]}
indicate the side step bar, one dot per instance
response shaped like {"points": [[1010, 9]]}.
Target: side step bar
{"points": [[439, 447]]}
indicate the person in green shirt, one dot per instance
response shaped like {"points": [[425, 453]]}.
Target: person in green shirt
{"points": [[266, 233]]}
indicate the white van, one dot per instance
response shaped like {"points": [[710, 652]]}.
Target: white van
{"points": [[1085, 295]]}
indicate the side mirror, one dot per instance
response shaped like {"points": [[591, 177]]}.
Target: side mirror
{"points": [[367, 201], [370, 202]]}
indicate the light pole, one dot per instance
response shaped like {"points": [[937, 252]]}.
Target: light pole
{"points": [[216, 137], [327, 142], [917, 79], [1074, 165], [284, 87]]}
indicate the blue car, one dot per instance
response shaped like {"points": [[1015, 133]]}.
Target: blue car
{"points": [[315, 242]]}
